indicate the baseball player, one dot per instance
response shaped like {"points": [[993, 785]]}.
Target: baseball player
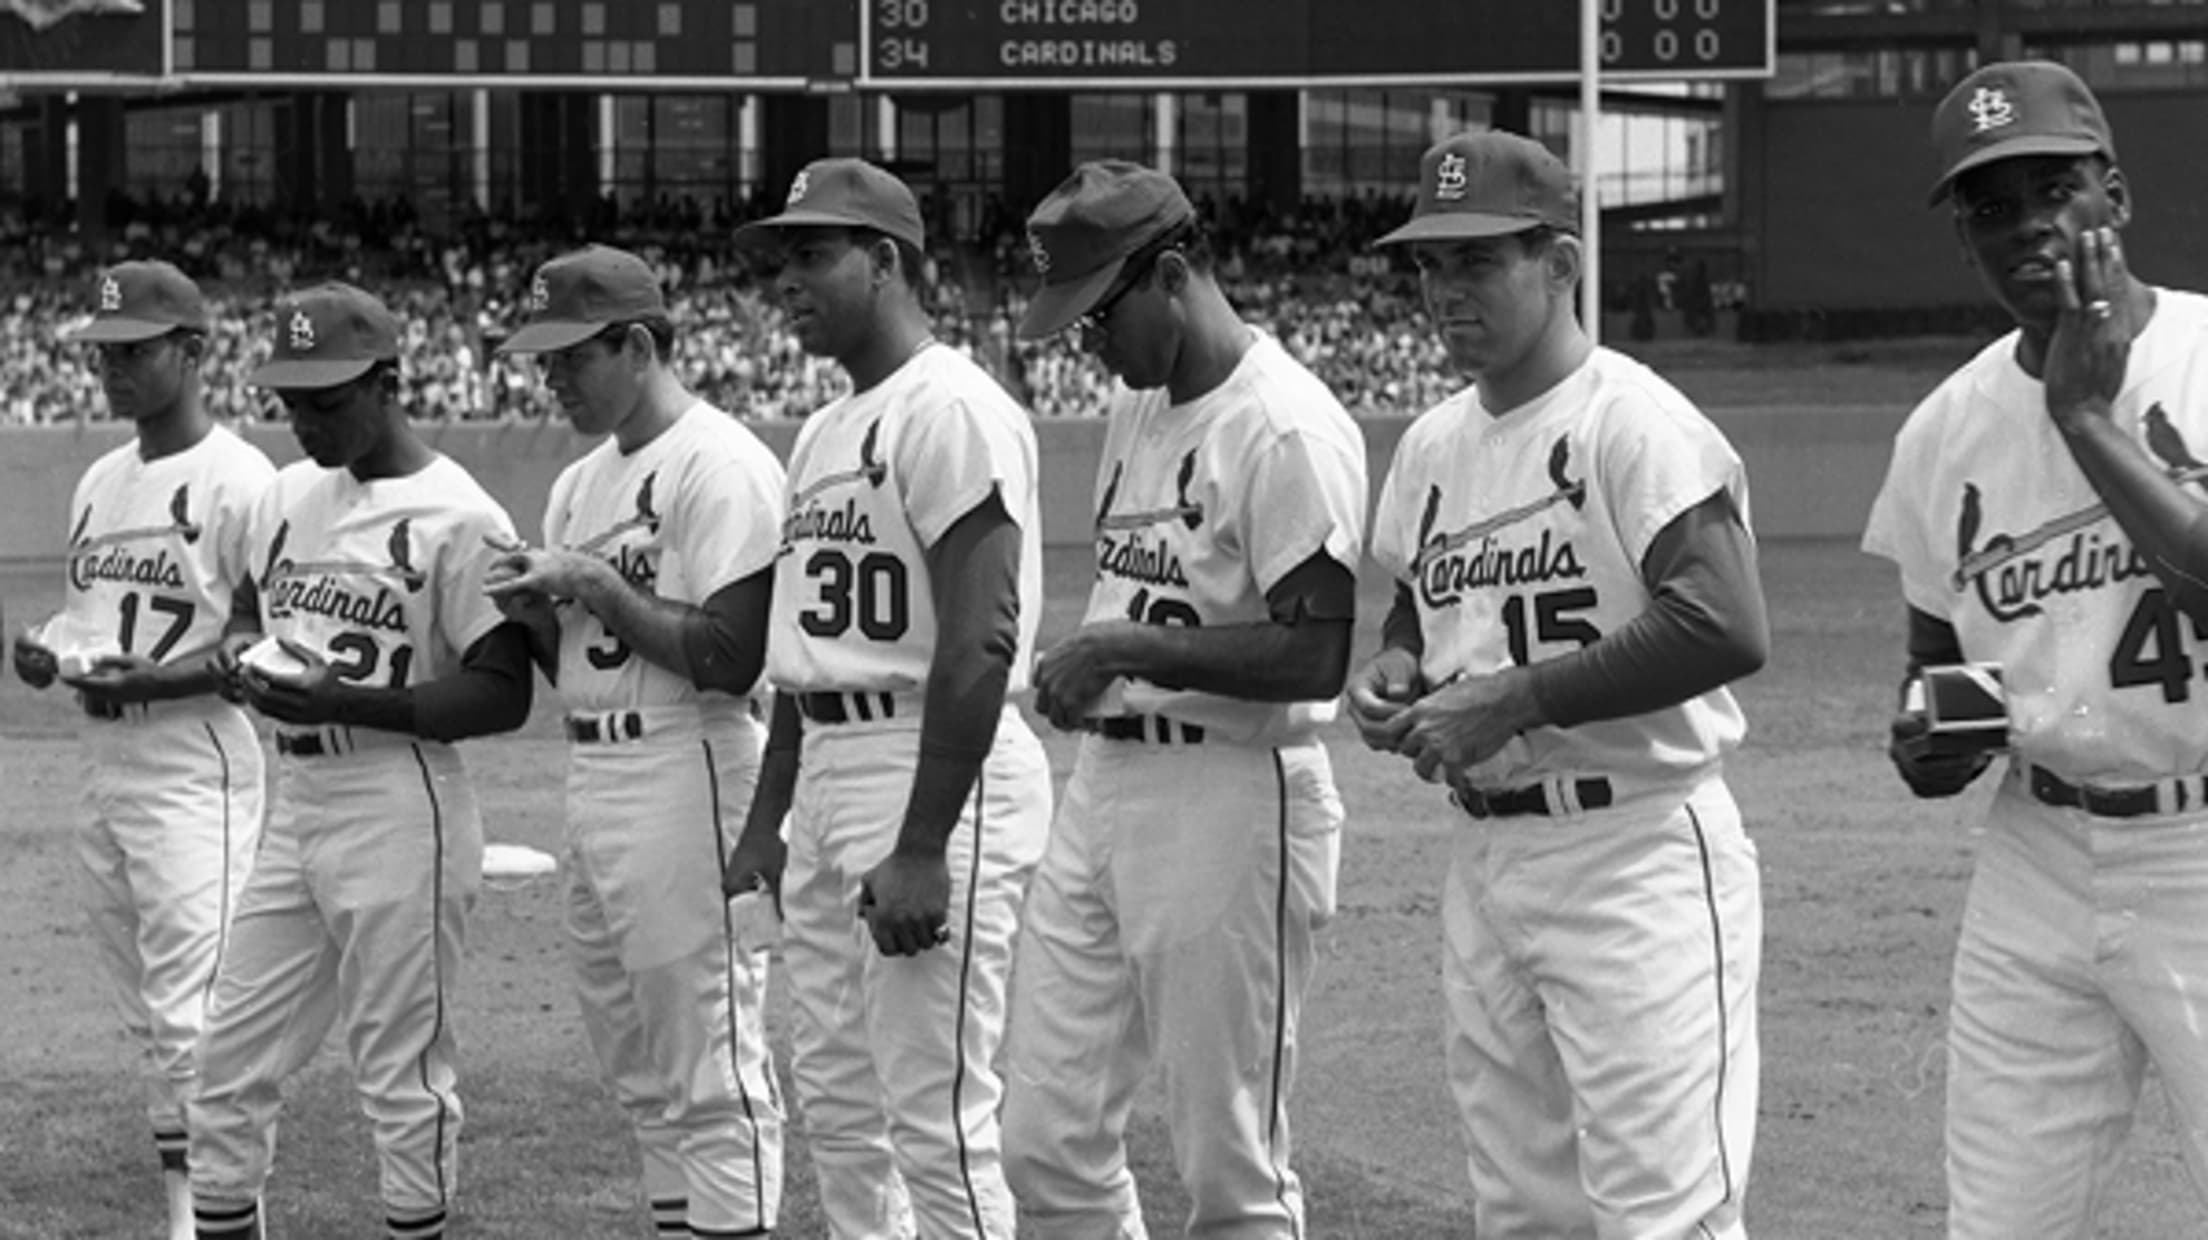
{"points": [[907, 590], [2044, 506], [172, 788], [1194, 854], [382, 649], [1575, 586], [659, 549]]}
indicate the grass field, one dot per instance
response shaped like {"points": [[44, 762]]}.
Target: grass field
{"points": [[1862, 891]]}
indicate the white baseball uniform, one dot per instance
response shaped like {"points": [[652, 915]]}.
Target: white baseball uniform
{"points": [[660, 773], [172, 789], [1194, 854], [1605, 1090], [2084, 946], [893, 1059], [356, 911]]}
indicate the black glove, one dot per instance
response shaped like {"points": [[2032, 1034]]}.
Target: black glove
{"points": [[1934, 765]]}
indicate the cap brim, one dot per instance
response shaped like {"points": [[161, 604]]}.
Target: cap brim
{"points": [[547, 337], [1455, 225], [762, 232], [1055, 306], [119, 331], [309, 375], [2050, 144]]}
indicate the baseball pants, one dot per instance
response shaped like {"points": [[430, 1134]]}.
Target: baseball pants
{"points": [[894, 1058], [1172, 919], [1600, 973], [356, 913], [172, 800], [673, 1014], [2083, 957]]}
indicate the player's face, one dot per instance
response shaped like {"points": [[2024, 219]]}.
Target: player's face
{"points": [[1133, 329], [595, 381], [1490, 297], [144, 378], [826, 288], [336, 426], [2017, 217]]}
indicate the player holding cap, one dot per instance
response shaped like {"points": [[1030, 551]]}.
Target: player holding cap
{"points": [[906, 599], [158, 571], [659, 551], [2045, 508], [372, 557], [1575, 586], [1194, 854]]}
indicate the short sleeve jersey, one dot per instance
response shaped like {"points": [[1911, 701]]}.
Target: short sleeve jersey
{"points": [[1997, 532], [1522, 537], [695, 510], [1202, 508], [383, 578], [157, 548], [875, 479]]}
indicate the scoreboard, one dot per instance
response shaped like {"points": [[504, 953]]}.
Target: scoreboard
{"points": [[1207, 44], [82, 42]]}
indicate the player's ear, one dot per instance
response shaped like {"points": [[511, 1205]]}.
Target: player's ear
{"points": [[1565, 258], [2118, 191]]}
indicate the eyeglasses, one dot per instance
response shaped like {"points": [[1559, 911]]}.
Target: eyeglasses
{"points": [[1091, 327]]}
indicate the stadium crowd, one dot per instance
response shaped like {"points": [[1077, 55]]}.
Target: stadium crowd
{"points": [[1306, 277]]}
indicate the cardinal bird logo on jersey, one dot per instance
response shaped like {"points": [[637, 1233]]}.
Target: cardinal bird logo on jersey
{"points": [[1184, 510], [2008, 572], [1479, 556], [1192, 513], [180, 512], [1111, 492], [870, 464], [276, 563], [647, 516], [401, 548], [84, 522]]}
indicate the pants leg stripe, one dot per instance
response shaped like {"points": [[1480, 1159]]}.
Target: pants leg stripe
{"points": [[1724, 1014], [965, 939], [222, 927], [730, 1012], [1275, 1110], [436, 966]]}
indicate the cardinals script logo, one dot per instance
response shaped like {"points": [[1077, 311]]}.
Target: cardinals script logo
{"points": [[107, 557], [334, 587], [1449, 564], [811, 519], [44, 13], [2009, 572]]}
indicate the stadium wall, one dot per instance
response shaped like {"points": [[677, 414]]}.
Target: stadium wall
{"points": [[1838, 209], [1812, 474]]}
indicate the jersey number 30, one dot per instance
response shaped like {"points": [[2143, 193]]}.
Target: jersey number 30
{"points": [[872, 591]]}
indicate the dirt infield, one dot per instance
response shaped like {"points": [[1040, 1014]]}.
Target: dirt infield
{"points": [[1862, 891]]}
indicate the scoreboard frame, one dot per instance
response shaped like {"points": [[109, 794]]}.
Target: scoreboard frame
{"points": [[1303, 52]]}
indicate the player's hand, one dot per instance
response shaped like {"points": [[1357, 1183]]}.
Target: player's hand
{"points": [[2091, 344], [1072, 675], [226, 664], [35, 665], [755, 864], [549, 574], [1933, 765], [116, 679], [906, 901], [1379, 691], [1464, 722], [308, 697]]}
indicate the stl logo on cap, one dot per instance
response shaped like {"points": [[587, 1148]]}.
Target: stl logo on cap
{"points": [[302, 332], [1990, 109], [540, 296], [798, 185], [1036, 253], [111, 294], [1449, 177]]}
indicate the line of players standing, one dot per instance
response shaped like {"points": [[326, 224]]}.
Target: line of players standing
{"points": [[978, 985]]}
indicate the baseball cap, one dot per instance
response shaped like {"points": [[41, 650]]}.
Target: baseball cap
{"points": [[1488, 184], [327, 335], [141, 300], [2015, 107], [576, 295], [846, 193], [1081, 235]]}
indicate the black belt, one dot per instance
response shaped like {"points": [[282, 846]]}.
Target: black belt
{"points": [[2136, 801], [1144, 728], [1532, 799], [303, 745], [108, 708], [861, 707], [625, 725]]}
